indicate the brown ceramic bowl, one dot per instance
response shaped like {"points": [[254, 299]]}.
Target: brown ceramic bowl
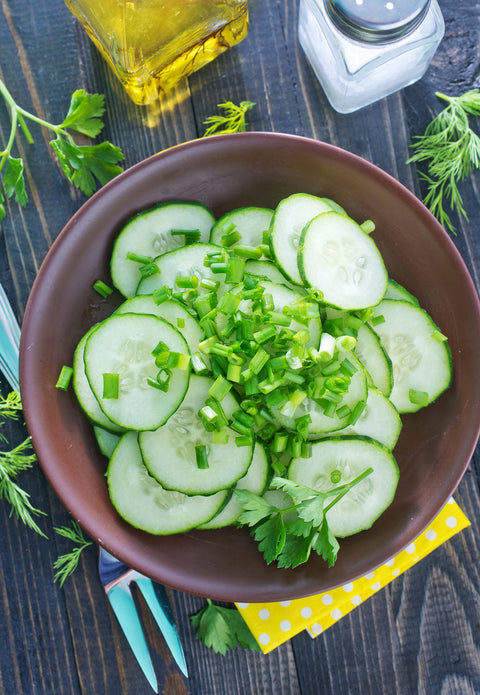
{"points": [[226, 172]]}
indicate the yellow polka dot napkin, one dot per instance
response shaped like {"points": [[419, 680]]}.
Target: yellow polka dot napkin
{"points": [[275, 623]]}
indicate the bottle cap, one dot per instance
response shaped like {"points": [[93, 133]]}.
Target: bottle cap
{"points": [[376, 21]]}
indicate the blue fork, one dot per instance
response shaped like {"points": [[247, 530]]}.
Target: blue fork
{"points": [[114, 575]]}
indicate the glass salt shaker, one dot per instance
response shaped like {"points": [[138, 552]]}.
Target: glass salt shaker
{"points": [[363, 50]]}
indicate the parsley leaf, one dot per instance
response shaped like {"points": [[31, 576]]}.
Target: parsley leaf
{"points": [[83, 165], [222, 628]]}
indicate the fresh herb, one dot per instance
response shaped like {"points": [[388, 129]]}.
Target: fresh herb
{"points": [[67, 564], [13, 462], [222, 628], [83, 165], [233, 120], [288, 535], [452, 150]]}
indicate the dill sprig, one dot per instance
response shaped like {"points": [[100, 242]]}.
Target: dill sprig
{"points": [[233, 120], [452, 150], [66, 564], [13, 462]]}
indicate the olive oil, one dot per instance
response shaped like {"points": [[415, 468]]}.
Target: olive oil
{"points": [[152, 44]]}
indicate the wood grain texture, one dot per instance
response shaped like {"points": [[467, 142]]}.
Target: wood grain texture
{"points": [[418, 635]]}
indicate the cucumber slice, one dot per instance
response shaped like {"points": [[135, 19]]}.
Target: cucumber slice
{"points": [[349, 457], [171, 310], [169, 452], [149, 234], [107, 441], [266, 270], [250, 223], [143, 503], [420, 363], [379, 420], [123, 345], [291, 216], [397, 291], [185, 261], [372, 355], [321, 423], [336, 257], [255, 480], [83, 390]]}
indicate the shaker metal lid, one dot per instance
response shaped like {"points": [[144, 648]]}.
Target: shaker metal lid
{"points": [[376, 21]]}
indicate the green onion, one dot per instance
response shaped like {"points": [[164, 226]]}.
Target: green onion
{"points": [[418, 397], [439, 337], [368, 226], [267, 302], [102, 288], [220, 436], [148, 270], [187, 281], [265, 334], [335, 476], [191, 235], [209, 417], [243, 441], [234, 372], [111, 385], [220, 388], [245, 251], [345, 342], [280, 442], [235, 270], [229, 303], [377, 320], [356, 412], [258, 361], [64, 378], [201, 456], [230, 238], [209, 284], [144, 260], [162, 294], [347, 367], [198, 364], [180, 322], [206, 345], [327, 347]]}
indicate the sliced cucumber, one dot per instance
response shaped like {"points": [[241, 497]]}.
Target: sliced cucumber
{"points": [[343, 459], [379, 420], [183, 262], [123, 345], [372, 355], [143, 503], [170, 455], [255, 480], [320, 422], [421, 364], [107, 441], [250, 223], [336, 257], [291, 216], [397, 291], [83, 390], [149, 234], [266, 270], [171, 310]]}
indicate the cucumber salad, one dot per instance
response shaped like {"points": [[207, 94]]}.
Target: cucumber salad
{"points": [[255, 373]]}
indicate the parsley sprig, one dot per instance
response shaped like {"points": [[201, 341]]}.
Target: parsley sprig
{"points": [[452, 150], [83, 165], [232, 121], [289, 534], [66, 564], [222, 628], [13, 462]]}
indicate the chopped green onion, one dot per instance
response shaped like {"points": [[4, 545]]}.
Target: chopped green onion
{"points": [[280, 442], [234, 372], [148, 270], [220, 436], [377, 320], [258, 361], [439, 337], [345, 342], [356, 412], [201, 456], [102, 288], [220, 388], [198, 364], [347, 367], [180, 322], [209, 284], [162, 294], [144, 260], [418, 397], [327, 347], [206, 345], [187, 281], [368, 226], [64, 378], [191, 235], [265, 334], [229, 303], [243, 441], [209, 417], [335, 476], [230, 238], [245, 251], [111, 385], [235, 270]]}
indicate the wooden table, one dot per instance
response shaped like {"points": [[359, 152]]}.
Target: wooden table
{"points": [[421, 633]]}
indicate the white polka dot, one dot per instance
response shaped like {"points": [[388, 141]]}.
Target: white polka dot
{"points": [[264, 638], [264, 614], [356, 600], [327, 599], [389, 5], [369, 575], [336, 614], [348, 587], [390, 562], [410, 548], [451, 522], [242, 605], [395, 572], [285, 603], [306, 612], [316, 628], [376, 586], [430, 534], [285, 626]]}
